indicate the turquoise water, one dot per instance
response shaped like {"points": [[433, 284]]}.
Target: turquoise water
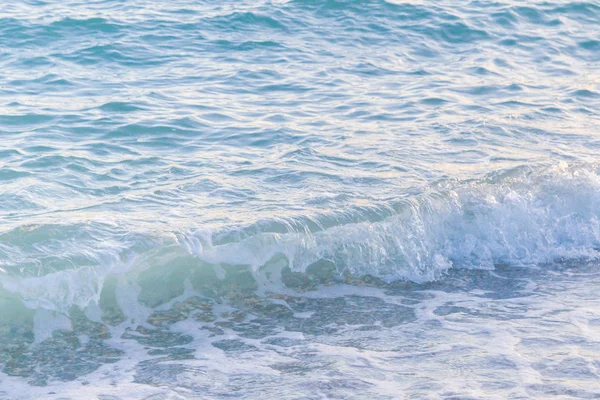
{"points": [[299, 199]]}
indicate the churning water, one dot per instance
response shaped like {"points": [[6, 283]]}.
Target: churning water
{"points": [[299, 199]]}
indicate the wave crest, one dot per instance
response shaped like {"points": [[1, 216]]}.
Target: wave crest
{"points": [[521, 217]]}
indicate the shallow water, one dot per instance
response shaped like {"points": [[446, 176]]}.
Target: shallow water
{"points": [[299, 199]]}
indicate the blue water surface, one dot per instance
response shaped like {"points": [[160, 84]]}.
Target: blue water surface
{"points": [[299, 199]]}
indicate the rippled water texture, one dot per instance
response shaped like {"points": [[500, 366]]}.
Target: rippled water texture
{"points": [[299, 199]]}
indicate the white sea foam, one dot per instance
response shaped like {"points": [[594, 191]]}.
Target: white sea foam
{"points": [[523, 217], [526, 216]]}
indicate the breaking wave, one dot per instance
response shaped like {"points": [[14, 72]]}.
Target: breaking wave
{"points": [[520, 217]]}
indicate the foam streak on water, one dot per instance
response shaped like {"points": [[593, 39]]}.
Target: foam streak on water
{"points": [[333, 197]]}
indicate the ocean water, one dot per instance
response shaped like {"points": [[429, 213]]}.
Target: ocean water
{"points": [[299, 199]]}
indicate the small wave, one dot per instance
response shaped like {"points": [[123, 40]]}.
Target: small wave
{"points": [[524, 217], [520, 217], [247, 21], [87, 25]]}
